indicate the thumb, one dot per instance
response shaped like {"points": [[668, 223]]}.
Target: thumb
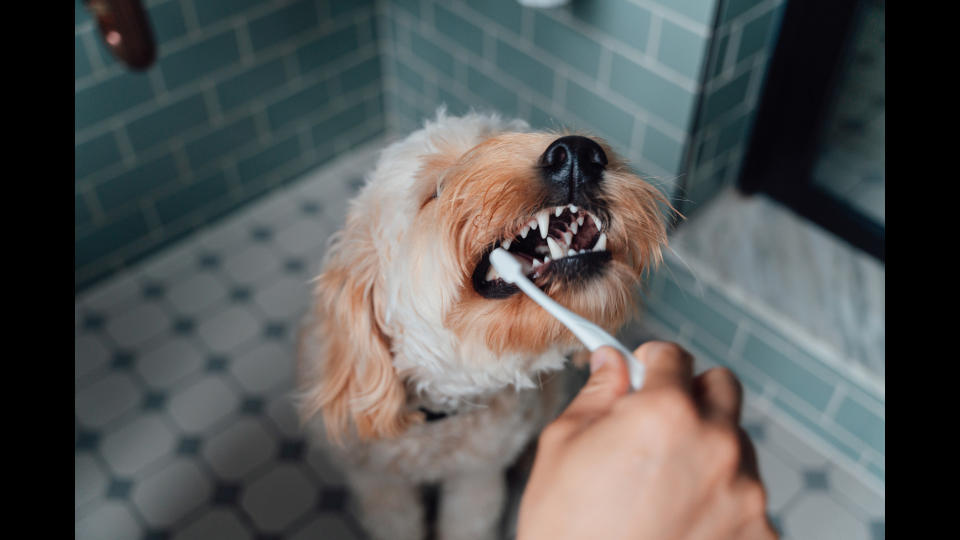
{"points": [[609, 380]]}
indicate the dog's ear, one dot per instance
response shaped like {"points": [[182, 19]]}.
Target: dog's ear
{"points": [[346, 365]]}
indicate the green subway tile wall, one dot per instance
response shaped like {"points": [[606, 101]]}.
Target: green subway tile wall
{"points": [[743, 41], [245, 95], [624, 70]]}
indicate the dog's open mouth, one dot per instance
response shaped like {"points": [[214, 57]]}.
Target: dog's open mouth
{"points": [[563, 242]]}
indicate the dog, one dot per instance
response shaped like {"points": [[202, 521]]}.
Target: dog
{"points": [[417, 364]]}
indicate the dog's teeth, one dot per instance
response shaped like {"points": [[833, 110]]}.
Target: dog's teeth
{"points": [[573, 208], [533, 224], [555, 251], [582, 251], [492, 274], [567, 238], [536, 262], [601, 244], [506, 244], [543, 218], [596, 221], [580, 221], [546, 260], [571, 252], [574, 228], [558, 211], [525, 231]]}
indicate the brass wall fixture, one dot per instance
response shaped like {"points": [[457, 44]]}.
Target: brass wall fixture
{"points": [[126, 30]]}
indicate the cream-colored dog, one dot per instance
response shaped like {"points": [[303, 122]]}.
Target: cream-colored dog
{"points": [[424, 365]]}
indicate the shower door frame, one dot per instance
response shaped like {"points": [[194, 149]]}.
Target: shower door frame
{"points": [[786, 140]]}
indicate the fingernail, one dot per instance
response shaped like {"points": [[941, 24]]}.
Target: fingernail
{"points": [[600, 357]]}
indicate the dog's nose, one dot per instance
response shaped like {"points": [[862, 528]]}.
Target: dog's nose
{"points": [[572, 163]]}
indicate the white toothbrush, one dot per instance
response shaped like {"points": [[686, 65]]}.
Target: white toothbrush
{"points": [[591, 335]]}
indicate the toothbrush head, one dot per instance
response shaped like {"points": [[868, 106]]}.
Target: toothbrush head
{"points": [[506, 265]]}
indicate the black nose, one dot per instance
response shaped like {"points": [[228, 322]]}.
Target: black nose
{"points": [[571, 164]]}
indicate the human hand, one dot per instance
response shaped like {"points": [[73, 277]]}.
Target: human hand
{"points": [[666, 462]]}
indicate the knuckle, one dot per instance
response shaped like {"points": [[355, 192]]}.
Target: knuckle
{"points": [[726, 449], [754, 499]]}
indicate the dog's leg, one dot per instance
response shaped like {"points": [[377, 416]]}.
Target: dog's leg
{"points": [[471, 504], [389, 507]]}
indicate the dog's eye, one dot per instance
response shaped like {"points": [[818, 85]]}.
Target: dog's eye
{"points": [[431, 198]]}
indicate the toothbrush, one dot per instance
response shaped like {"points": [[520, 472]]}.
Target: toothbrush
{"points": [[590, 334]]}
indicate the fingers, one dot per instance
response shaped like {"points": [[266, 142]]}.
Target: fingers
{"points": [[667, 364], [719, 395], [609, 380]]}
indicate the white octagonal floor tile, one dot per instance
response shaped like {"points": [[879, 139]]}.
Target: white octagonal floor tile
{"points": [[113, 295], [110, 520], [171, 264], [141, 323], [106, 399], [279, 497], [869, 503], [323, 466], [229, 328], [215, 524], [251, 263], [138, 444], [90, 481], [202, 404], [90, 355], [818, 517], [264, 367], [170, 493], [196, 292], [282, 413], [239, 449], [305, 237], [284, 298], [170, 362], [782, 481]]}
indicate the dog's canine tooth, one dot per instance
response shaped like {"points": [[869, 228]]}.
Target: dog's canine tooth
{"points": [[574, 228], [580, 221], [573, 208], [524, 231], [506, 243], [543, 218], [536, 262], [567, 238], [601, 244], [596, 221], [557, 211], [555, 249]]}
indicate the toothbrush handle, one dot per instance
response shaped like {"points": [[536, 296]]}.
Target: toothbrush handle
{"points": [[587, 332]]}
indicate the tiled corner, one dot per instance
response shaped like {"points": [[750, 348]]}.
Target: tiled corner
{"points": [[239, 101]]}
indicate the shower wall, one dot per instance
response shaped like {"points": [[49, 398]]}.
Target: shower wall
{"points": [[245, 95], [626, 71], [672, 85]]}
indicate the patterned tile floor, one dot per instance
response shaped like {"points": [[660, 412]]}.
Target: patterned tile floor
{"points": [[183, 365]]}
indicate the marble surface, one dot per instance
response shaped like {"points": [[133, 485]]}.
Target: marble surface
{"points": [[826, 295]]}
